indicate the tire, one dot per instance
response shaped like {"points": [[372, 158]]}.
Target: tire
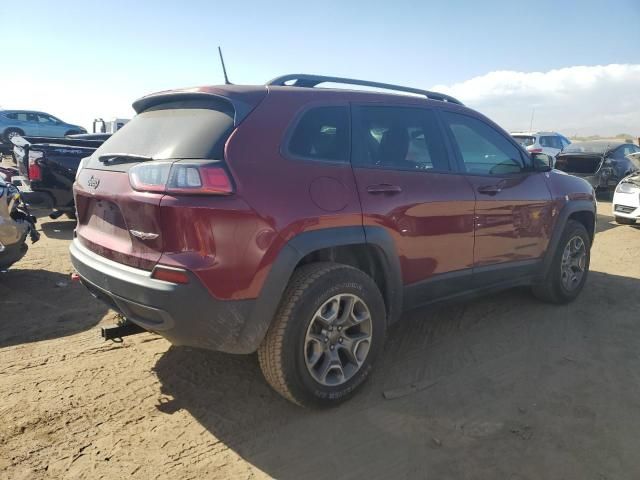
{"points": [[287, 354], [9, 133], [625, 221], [553, 289]]}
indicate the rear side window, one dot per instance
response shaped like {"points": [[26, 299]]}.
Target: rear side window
{"points": [[399, 138], [484, 150], [322, 133], [525, 140], [22, 116], [185, 129]]}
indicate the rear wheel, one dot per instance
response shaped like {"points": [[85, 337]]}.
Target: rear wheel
{"points": [[12, 132], [326, 335], [625, 221], [569, 267]]}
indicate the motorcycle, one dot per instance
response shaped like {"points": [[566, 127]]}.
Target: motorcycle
{"points": [[16, 224]]}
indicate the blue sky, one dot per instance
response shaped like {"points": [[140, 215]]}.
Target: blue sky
{"points": [[111, 52]]}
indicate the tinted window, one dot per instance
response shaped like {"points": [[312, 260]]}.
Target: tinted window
{"points": [[193, 128], [399, 138], [551, 142], [483, 150], [22, 116], [45, 118], [322, 134]]}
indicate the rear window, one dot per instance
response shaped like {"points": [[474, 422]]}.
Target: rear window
{"points": [[587, 148], [525, 140], [191, 129], [322, 134]]}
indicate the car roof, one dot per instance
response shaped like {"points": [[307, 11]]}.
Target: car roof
{"points": [[531, 134], [610, 143], [242, 92], [24, 111]]}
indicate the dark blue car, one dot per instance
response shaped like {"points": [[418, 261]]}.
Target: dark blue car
{"points": [[35, 124]]}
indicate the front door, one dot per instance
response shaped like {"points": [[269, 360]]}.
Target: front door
{"points": [[406, 185], [513, 203]]}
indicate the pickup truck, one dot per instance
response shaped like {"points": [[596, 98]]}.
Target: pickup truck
{"points": [[48, 167]]}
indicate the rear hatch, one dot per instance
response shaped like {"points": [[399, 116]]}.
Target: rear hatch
{"points": [[122, 223], [580, 164]]}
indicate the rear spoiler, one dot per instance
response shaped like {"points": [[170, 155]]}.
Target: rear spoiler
{"points": [[26, 142], [241, 109]]}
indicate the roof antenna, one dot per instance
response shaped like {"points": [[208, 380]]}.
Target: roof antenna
{"points": [[224, 69]]}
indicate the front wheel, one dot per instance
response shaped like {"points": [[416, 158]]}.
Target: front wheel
{"points": [[569, 266], [326, 335]]}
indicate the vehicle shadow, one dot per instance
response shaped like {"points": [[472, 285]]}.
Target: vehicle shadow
{"points": [[480, 389], [60, 230], [40, 305]]}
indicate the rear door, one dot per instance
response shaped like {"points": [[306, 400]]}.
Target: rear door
{"points": [[407, 186], [123, 224], [513, 206]]}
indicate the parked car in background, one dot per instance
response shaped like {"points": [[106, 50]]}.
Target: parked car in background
{"points": [[549, 143], [48, 168], [38, 124], [602, 163], [301, 222], [626, 199]]}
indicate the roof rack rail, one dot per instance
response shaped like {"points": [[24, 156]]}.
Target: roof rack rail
{"points": [[310, 81]]}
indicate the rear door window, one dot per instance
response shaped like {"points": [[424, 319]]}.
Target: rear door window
{"points": [[184, 129], [322, 133], [399, 138], [483, 150], [525, 140]]}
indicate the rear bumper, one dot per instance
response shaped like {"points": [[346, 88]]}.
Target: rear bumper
{"points": [[183, 314]]}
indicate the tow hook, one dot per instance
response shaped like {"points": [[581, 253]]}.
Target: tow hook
{"points": [[123, 328]]}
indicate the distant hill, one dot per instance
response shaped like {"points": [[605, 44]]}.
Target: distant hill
{"points": [[620, 137]]}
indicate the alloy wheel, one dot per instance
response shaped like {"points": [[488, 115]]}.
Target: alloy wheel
{"points": [[338, 339]]}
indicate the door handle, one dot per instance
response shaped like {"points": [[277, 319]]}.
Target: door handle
{"points": [[384, 188], [490, 189]]}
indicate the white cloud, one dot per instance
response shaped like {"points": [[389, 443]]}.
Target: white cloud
{"points": [[584, 100]]}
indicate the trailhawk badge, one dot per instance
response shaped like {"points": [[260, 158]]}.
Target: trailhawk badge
{"points": [[93, 182]]}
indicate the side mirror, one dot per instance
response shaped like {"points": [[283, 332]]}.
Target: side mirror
{"points": [[542, 162]]}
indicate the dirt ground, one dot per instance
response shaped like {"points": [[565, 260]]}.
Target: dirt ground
{"points": [[503, 388]]}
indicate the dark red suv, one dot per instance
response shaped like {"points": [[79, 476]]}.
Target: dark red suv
{"points": [[301, 221]]}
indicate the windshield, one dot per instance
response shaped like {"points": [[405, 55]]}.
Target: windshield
{"points": [[586, 148], [525, 140], [196, 129]]}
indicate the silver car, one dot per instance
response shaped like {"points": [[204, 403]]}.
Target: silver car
{"points": [[32, 123]]}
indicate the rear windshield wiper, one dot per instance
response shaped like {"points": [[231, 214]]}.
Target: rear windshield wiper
{"points": [[123, 158]]}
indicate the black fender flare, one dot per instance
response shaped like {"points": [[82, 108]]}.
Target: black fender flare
{"points": [[571, 207], [307, 242]]}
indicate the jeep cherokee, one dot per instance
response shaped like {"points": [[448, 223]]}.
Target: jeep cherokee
{"points": [[300, 222]]}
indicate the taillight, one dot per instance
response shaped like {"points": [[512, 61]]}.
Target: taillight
{"points": [[181, 177], [534, 150], [34, 171]]}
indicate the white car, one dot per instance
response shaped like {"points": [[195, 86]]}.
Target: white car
{"points": [[626, 200], [549, 143]]}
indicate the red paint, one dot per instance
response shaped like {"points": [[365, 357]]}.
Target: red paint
{"points": [[439, 222]]}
